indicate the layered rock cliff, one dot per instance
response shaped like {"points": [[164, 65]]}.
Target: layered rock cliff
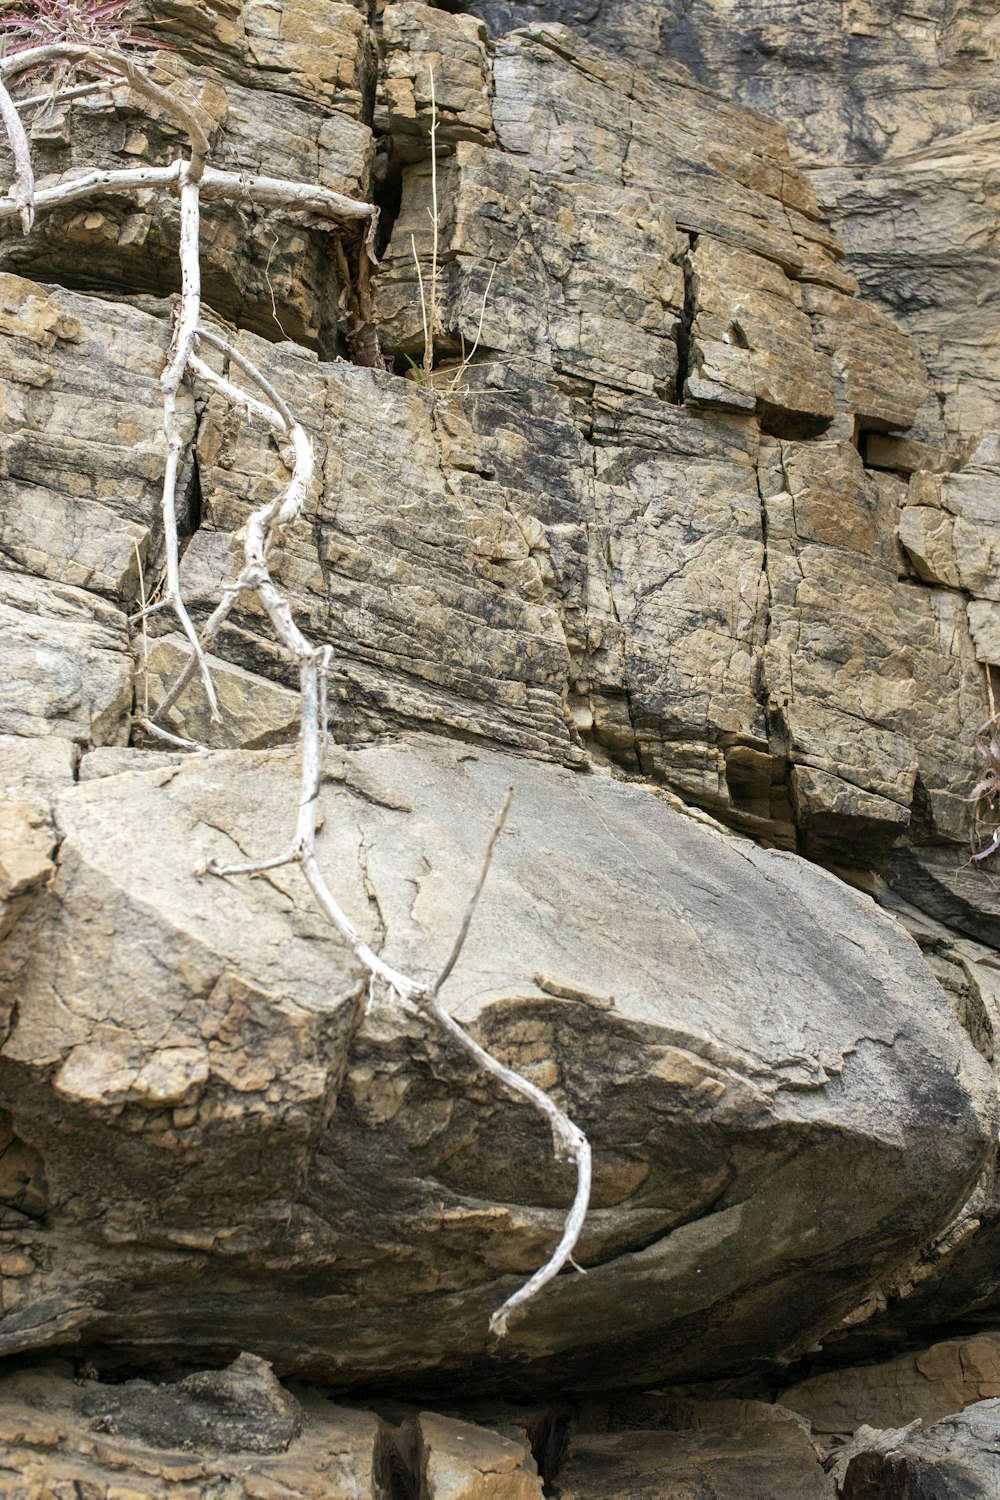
{"points": [[688, 534]]}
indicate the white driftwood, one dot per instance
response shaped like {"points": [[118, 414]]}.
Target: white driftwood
{"points": [[320, 205], [108, 60], [194, 181], [53, 96], [181, 349], [569, 1141], [22, 198]]}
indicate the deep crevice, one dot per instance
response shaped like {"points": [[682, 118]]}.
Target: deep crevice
{"points": [[791, 426], [190, 516], [686, 321], [387, 194]]}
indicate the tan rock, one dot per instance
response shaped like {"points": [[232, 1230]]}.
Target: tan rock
{"points": [[984, 623], [882, 378], [733, 1450], [474, 637], [255, 712], [919, 235], [306, 125], [62, 1436], [928, 1385], [750, 337], [577, 277], [325, 1179], [566, 108], [65, 664], [31, 769], [82, 443], [26, 847], [418, 40], [460, 1461], [927, 534]]}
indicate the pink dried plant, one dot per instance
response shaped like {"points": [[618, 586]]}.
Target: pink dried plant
{"points": [[32, 23]]}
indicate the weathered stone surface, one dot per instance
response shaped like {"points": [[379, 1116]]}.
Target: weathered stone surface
{"points": [[920, 237], [81, 439], [255, 712], [731, 1450], [281, 91], [241, 1407], [957, 1459], [548, 549], [881, 375], [928, 1385], [941, 60], [223, 1111], [567, 108], [34, 768], [64, 1437], [65, 664], [417, 41], [459, 1461], [552, 271], [751, 339], [26, 846]]}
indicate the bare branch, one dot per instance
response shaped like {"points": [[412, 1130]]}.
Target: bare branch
{"points": [[194, 181], [569, 1142], [164, 734], [128, 180], [181, 347], [216, 187], [52, 96], [23, 196], [206, 335], [423, 300]]}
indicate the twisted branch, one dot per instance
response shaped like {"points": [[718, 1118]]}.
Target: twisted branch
{"points": [[194, 181]]}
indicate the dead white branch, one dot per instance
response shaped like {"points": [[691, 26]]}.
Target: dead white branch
{"points": [[570, 1143], [194, 181], [431, 316], [23, 195], [318, 204], [53, 96], [181, 349]]}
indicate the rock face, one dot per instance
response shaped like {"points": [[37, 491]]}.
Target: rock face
{"points": [[678, 513]]}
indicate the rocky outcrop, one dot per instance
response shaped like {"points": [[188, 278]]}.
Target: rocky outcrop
{"points": [[676, 528], [215, 1434]]}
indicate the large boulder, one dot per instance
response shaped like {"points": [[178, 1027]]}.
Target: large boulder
{"points": [[233, 1146]]}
